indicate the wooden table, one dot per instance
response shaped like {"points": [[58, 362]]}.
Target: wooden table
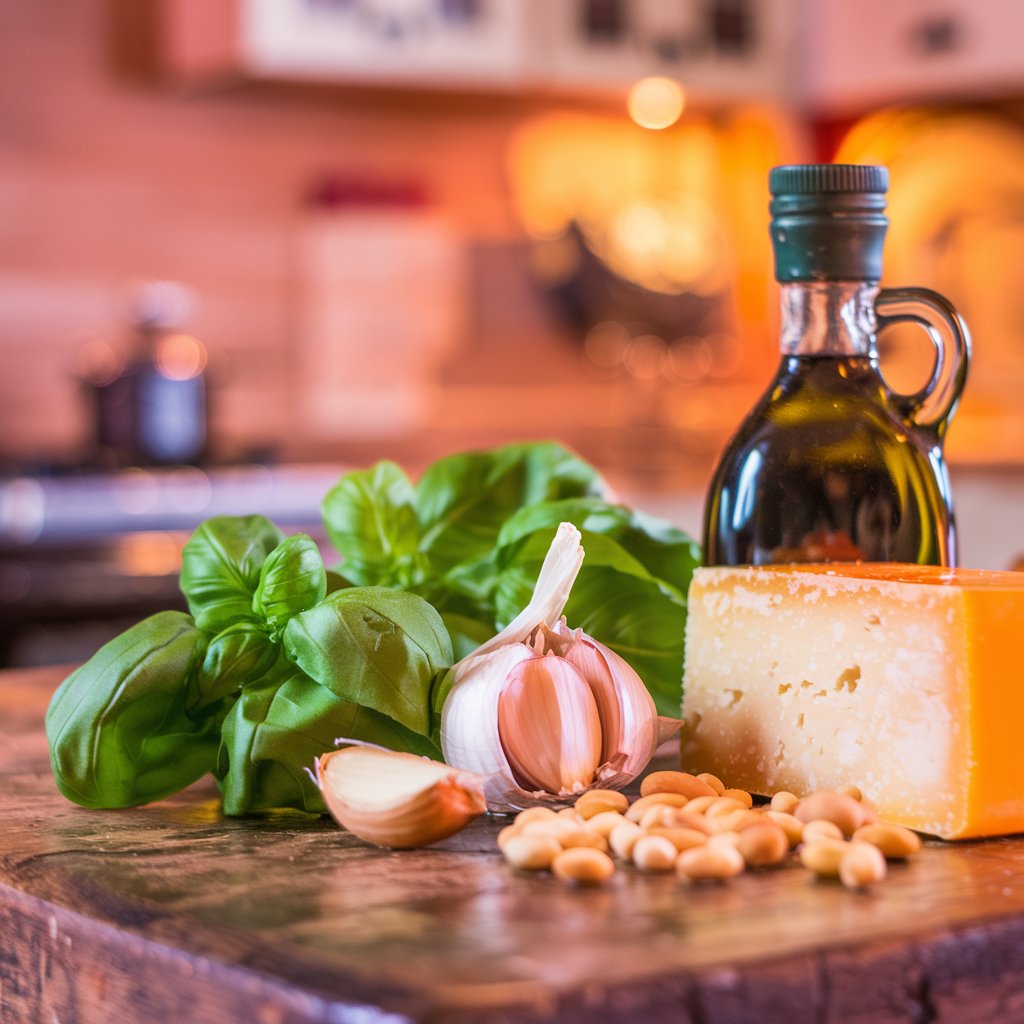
{"points": [[174, 913]]}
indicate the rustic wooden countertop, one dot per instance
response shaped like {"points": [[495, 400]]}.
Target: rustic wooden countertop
{"points": [[174, 913]]}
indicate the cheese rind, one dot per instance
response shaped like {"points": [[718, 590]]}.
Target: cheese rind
{"points": [[904, 680]]}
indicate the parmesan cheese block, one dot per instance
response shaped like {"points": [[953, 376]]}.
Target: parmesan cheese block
{"points": [[904, 680]]}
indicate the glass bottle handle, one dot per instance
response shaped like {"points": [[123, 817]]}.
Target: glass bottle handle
{"points": [[930, 408]]}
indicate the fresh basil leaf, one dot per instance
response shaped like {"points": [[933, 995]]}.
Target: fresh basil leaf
{"points": [[235, 657], [292, 579], [119, 731], [667, 553], [464, 499], [467, 632], [220, 568], [276, 728], [379, 648], [370, 518]]}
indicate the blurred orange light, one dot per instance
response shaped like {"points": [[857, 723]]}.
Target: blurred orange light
{"points": [[656, 102], [180, 356]]}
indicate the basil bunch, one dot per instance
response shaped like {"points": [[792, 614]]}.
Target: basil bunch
{"points": [[470, 536], [267, 671]]}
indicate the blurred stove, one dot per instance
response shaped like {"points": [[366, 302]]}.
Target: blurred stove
{"points": [[82, 557]]}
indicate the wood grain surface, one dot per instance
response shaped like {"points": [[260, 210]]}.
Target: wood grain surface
{"points": [[172, 912]]}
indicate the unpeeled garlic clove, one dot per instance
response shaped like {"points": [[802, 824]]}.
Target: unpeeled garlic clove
{"points": [[395, 799], [549, 726]]}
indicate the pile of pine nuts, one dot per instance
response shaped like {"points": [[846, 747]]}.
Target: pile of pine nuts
{"points": [[695, 826]]}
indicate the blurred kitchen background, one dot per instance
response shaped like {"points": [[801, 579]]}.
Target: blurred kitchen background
{"points": [[245, 244]]}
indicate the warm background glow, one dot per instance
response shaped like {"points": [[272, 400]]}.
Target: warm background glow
{"points": [[655, 102]]}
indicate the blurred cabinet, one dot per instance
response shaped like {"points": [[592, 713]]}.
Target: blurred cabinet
{"points": [[720, 49], [864, 54], [825, 56]]}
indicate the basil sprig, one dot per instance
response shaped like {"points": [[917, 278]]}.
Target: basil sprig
{"points": [[263, 676]]}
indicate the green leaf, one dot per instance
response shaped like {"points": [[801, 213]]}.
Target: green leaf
{"points": [[119, 731], [379, 648], [292, 579], [274, 731], [234, 658], [467, 633], [370, 518], [635, 619], [664, 551], [220, 568], [464, 499]]}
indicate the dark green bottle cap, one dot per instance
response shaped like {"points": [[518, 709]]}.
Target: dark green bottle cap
{"points": [[828, 221]]}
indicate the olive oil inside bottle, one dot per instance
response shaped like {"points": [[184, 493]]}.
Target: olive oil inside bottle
{"points": [[823, 470]]}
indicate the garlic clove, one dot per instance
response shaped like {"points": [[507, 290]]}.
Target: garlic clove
{"points": [[629, 719], [395, 799], [469, 721], [549, 726]]}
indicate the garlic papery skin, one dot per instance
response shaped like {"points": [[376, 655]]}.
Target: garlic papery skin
{"points": [[557, 574], [549, 726], [546, 712], [395, 799]]}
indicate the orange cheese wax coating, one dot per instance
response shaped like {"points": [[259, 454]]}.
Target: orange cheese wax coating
{"points": [[905, 680]]}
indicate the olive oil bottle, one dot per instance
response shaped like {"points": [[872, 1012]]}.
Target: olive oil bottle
{"points": [[832, 465]]}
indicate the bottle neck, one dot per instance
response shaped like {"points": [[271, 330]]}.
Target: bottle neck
{"points": [[829, 318]]}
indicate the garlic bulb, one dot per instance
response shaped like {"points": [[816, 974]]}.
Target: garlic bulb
{"points": [[545, 712], [395, 799]]}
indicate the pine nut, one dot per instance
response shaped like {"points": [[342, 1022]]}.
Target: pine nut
{"points": [[605, 822], [713, 781], [821, 828], [791, 825], [506, 834], [785, 801], [741, 795], [823, 856], [675, 782], [895, 841], [533, 814], [570, 814], [531, 853], [838, 808], [654, 853], [623, 838], [583, 836], [680, 838], [725, 839], [851, 791], [735, 821], [639, 807], [583, 865], [862, 865], [710, 862], [682, 818], [596, 801], [658, 815], [763, 843], [723, 805], [700, 804], [555, 827]]}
